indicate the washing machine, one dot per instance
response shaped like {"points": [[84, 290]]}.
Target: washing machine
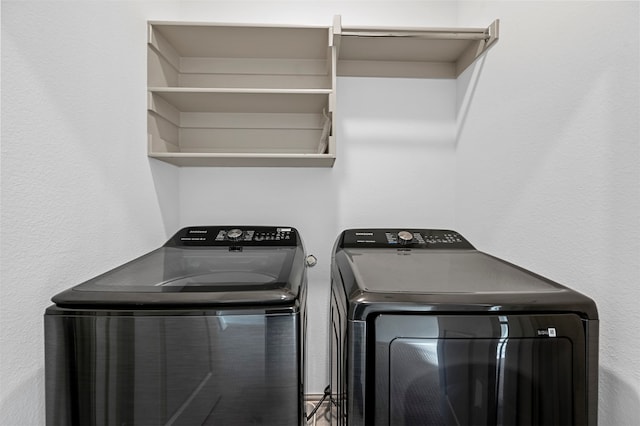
{"points": [[208, 329], [427, 330]]}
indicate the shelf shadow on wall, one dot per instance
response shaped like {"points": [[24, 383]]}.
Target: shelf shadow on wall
{"points": [[166, 183], [466, 86]]}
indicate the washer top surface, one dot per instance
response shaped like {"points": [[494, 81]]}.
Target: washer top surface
{"points": [[203, 266]]}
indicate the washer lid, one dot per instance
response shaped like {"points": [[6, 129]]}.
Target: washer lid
{"points": [[197, 276]]}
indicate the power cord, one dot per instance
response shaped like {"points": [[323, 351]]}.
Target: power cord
{"points": [[327, 392]]}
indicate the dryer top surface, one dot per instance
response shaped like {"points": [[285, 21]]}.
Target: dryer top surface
{"points": [[441, 271]]}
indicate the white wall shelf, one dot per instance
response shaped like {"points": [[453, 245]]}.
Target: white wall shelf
{"points": [[264, 95], [240, 95], [409, 52]]}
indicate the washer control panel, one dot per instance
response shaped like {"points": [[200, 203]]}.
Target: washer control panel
{"points": [[235, 236], [404, 238]]}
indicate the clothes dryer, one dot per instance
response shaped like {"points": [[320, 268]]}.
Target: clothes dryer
{"points": [[208, 329], [427, 330]]}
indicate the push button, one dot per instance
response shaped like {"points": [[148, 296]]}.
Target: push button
{"points": [[235, 234], [405, 237]]}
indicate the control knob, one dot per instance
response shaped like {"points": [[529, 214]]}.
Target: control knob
{"points": [[234, 234], [405, 237]]}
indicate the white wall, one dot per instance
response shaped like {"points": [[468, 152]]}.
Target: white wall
{"points": [[548, 164], [78, 194], [544, 170]]}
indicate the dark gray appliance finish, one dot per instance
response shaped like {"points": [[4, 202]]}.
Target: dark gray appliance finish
{"points": [[208, 329], [427, 330]]}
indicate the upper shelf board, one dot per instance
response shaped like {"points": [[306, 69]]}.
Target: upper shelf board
{"points": [[242, 41]]}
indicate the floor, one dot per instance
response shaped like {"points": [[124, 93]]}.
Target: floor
{"points": [[322, 415]]}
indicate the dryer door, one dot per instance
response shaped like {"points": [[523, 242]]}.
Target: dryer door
{"points": [[479, 370]]}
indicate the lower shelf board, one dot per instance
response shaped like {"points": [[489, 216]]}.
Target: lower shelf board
{"points": [[245, 159]]}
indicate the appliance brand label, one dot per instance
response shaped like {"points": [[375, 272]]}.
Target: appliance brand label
{"points": [[551, 332], [364, 234]]}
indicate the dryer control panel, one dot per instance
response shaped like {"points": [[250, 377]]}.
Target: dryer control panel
{"points": [[404, 238], [235, 236]]}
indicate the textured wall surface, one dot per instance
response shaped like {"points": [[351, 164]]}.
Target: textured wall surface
{"points": [[548, 164], [533, 154], [79, 195]]}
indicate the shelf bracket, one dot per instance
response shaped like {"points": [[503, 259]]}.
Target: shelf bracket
{"points": [[493, 32], [490, 37]]}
